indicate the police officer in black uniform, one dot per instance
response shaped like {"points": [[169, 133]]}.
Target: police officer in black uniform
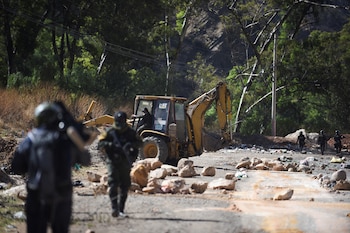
{"points": [[337, 141], [57, 211], [322, 141], [121, 144]]}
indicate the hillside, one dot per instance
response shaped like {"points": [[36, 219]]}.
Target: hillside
{"points": [[223, 47]]}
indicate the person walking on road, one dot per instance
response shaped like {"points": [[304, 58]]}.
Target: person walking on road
{"points": [[121, 144], [337, 141], [301, 141], [322, 141]]}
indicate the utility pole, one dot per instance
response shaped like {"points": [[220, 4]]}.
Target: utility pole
{"points": [[167, 57], [274, 83]]}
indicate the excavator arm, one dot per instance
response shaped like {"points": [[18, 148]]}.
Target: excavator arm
{"points": [[196, 110]]}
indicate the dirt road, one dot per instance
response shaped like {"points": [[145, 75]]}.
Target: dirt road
{"points": [[249, 208]]}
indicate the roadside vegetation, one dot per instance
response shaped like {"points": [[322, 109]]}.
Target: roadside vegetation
{"points": [[17, 106]]}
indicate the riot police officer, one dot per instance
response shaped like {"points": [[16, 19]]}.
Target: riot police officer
{"points": [[49, 184], [121, 144]]}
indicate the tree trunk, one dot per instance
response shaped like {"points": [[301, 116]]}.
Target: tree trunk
{"points": [[9, 44]]}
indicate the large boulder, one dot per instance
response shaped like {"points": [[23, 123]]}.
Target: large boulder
{"points": [[139, 175], [339, 175]]}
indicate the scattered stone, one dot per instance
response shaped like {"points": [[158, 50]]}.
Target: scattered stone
{"points": [[104, 180], [139, 175], [255, 161], [184, 162], [229, 176], [278, 167], [187, 171], [244, 159], [93, 177], [338, 175], [99, 189], [149, 190], [185, 191], [290, 167], [159, 173], [208, 171], [284, 195], [243, 164], [172, 186], [199, 187], [303, 168], [171, 170], [135, 187], [261, 166], [304, 162], [154, 182], [342, 185], [149, 163], [222, 184]]}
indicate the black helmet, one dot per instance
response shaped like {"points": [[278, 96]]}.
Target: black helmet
{"points": [[47, 114], [321, 131], [120, 120], [337, 132]]}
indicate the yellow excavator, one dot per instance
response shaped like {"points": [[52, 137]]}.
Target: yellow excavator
{"points": [[177, 130]]}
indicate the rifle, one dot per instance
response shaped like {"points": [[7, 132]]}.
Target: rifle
{"points": [[125, 150]]}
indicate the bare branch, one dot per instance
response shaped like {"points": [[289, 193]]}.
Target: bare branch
{"points": [[278, 24], [264, 28], [325, 5]]}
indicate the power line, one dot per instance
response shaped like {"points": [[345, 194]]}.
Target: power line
{"points": [[117, 49]]}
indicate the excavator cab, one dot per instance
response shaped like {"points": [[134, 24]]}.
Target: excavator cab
{"points": [[169, 126]]}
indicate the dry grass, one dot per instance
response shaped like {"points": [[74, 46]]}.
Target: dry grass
{"points": [[17, 106]]}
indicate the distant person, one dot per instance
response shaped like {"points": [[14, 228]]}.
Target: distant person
{"points": [[45, 156], [322, 141], [146, 121], [337, 141], [121, 144], [301, 141]]}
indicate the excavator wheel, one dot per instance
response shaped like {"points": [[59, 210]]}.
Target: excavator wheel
{"points": [[154, 147]]}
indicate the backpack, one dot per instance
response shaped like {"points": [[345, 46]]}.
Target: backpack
{"points": [[41, 175]]}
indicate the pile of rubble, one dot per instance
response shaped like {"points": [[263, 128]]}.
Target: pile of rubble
{"points": [[149, 176]]}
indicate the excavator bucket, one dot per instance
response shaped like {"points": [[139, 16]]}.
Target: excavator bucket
{"points": [[98, 121]]}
